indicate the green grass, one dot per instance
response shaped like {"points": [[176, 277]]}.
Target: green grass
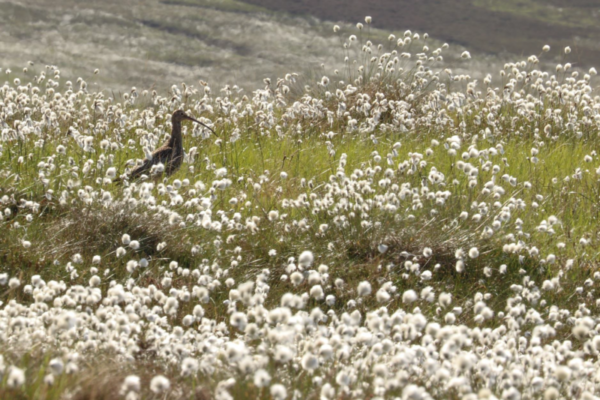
{"points": [[301, 156], [57, 208]]}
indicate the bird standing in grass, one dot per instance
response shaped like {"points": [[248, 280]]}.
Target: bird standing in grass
{"points": [[170, 154]]}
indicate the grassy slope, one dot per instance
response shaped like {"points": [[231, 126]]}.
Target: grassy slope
{"points": [[149, 43], [58, 232], [514, 26], [61, 231]]}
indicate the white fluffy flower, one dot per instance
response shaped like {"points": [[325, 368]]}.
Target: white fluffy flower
{"points": [[306, 258], [14, 283], [310, 362], [111, 172], [364, 288], [261, 378], [131, 383], [426, 275], [316, 292], [473, 252], [189, 366], [330, 300], [159, 384], [16, 377], [409, 296], [296, 278], [56, 366], [278, 391], [382, 296]]}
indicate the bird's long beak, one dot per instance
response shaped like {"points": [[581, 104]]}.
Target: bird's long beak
{"points": [[198, 122]]}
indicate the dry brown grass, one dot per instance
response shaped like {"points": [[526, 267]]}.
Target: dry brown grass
{"points": [[99, 231], [99, 378]]}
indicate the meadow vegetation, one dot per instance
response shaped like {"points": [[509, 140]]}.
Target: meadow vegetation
{"points": [[390, 229]]}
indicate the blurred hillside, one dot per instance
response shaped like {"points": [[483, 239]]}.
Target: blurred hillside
{"points": [[157, 43], [519, 27]]}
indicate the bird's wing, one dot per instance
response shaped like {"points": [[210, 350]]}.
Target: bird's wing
{"points": [[157, 157], [139, 170]]}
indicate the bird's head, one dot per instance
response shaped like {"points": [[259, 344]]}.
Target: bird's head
{"points": [[179, 116]]}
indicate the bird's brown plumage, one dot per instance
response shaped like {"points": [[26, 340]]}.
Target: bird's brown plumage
{"points": [[169, 154]]}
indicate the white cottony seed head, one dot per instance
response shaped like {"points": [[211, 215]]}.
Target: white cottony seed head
{"points": [[159, 384], [364, 288], [16, 377], [409, 296], [473, 252], [306, 258]]}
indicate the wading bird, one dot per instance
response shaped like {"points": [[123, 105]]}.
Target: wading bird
{"points": [[170, 154]]}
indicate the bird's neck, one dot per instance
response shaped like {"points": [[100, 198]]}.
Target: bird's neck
{"points": [[176, 141]]}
